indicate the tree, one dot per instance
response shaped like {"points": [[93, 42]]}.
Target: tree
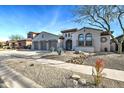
{"points": [[102, 16], [16, 37], [120, 15]]}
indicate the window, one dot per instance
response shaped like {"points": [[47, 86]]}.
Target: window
{"points": [[71, 34], [88, 39], [30, 36], [42, 36], [68, 34], [65, 34], [81, 40], [103, 39]]}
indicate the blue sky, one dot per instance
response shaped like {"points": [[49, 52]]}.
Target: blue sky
{"points": [[22, 19]]}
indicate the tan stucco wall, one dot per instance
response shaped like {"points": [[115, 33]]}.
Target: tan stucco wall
{"points": [[96, 44], [28, 43], [67, 38], [105, 44], [113, 47]]}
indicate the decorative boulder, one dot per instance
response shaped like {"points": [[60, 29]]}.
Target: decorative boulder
{"points": [[75, 77], [82, 81], [76, 52], [75, 82]]}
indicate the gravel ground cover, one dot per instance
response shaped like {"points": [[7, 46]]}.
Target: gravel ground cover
{"points": [[64, 57], [51, 77], [112, 60]]}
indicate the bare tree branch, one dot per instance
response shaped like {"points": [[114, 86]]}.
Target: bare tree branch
{"points": [[98, 15], [95, 25]]}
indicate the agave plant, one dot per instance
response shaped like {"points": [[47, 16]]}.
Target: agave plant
{"points": [[59, 51], [52, 49]]}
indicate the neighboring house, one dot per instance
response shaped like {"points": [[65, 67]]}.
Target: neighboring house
{"points": [[45, 41], [12, 44], [21, 44], [26, 43], [32, 34], [2, 43], [85, 39]]}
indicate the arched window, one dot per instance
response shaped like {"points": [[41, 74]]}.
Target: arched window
{"points": [[81, 40], [88, 38]]}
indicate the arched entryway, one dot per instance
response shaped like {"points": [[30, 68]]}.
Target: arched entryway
{"points": [[68, 44]]}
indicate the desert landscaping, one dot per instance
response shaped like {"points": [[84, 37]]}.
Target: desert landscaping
{"points": [[72, 46], [50, 70]]}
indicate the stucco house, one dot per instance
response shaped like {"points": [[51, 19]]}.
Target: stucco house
{"points": [[25, 43], [45, 41], [32, 34], [84, 39]]}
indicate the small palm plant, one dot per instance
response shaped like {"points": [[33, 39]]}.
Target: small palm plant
{"points": [[97, 72]]}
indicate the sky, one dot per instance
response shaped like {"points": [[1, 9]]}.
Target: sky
{"points": [[21, 19]]}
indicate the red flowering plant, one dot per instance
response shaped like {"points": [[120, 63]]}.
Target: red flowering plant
{"points": [[97, 72]]}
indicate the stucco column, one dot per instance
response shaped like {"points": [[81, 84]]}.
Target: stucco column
{"points": [[60, 43], [64, 44], [39, 47], [47, 45], [32, 47]]}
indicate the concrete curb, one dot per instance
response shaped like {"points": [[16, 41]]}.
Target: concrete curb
{"points": [[16, 80]]}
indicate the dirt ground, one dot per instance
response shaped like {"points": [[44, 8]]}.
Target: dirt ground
{"points": [[51, 77]]}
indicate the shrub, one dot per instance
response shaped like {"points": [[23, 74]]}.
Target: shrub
{"points": [[8, 47], [52, 49], [59, 51], [76, 52], [97, 73]]}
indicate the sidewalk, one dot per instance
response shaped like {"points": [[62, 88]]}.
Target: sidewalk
{"points": [[13, 79], [110, 73]]}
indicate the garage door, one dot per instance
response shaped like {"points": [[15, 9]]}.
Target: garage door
{"points": [[53, 43], [35, 45], [43, 45]]}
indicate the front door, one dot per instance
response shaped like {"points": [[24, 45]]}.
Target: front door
{"points": [[69, 45]]}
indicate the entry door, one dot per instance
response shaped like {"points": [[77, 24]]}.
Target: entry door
{"points": [[68, 44]]}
